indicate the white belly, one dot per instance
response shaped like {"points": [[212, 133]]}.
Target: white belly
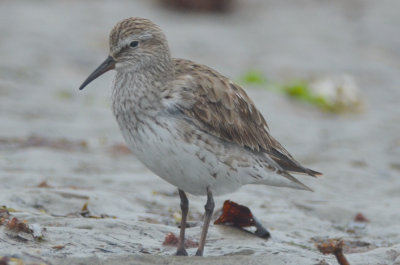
{"points": [[190, 166], [193, 160]]}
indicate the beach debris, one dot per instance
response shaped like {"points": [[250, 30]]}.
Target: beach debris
{"points": [[335, 93], [334, 247], [4, 215], [21, 227], [28, 260], [86, 213], [37, 231], [85, 208], [7, 209], [360, 218], [41, 141], [330, 93], [44, 184], [172, 240], [240, 216], [340, 92], [18, 226], [254, 77], [119, 150], [58, 247], [349, 246]]}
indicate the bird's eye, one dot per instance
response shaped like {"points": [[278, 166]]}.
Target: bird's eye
{"points": [[134, 44]]}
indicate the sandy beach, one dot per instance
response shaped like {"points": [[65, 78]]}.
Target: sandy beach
{"points": [[61, 148]]}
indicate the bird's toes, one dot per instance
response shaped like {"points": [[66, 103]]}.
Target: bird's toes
{"points": [[181, 252]]}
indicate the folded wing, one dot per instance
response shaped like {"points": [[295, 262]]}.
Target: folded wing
{"points": [[224, 110]]}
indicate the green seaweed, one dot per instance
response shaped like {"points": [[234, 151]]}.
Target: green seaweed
{"points": [[296, 89], [10, 210], [300, 90], [254, 77]]}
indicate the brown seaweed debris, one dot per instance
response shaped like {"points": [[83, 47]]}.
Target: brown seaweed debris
{"points": [[335, 247], [119, 150], [360, 218], [18, 226], [58, 247], [172, 240], [44, 184], [240, 216]]}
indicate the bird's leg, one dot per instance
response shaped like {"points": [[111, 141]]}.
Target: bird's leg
{"points": [[209, 207], [185, 208]]}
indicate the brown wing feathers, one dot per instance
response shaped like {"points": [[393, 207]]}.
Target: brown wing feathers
{"points": [[224, 110]]}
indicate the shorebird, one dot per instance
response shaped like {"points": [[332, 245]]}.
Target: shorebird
{"points": [[189, 124]]}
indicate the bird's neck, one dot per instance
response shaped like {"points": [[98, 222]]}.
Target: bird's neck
{"points": [[141, 89], [145, 77]]}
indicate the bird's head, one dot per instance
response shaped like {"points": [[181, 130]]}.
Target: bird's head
{"points": [[136, 44]]}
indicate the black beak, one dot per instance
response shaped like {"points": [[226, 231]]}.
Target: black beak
{"points": [[107, 65]]}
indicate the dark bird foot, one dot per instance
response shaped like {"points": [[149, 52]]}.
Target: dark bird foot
{"points": [[181, 252]]}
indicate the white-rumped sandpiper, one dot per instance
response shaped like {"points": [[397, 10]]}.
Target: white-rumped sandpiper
{"points": [[189, 124]]}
